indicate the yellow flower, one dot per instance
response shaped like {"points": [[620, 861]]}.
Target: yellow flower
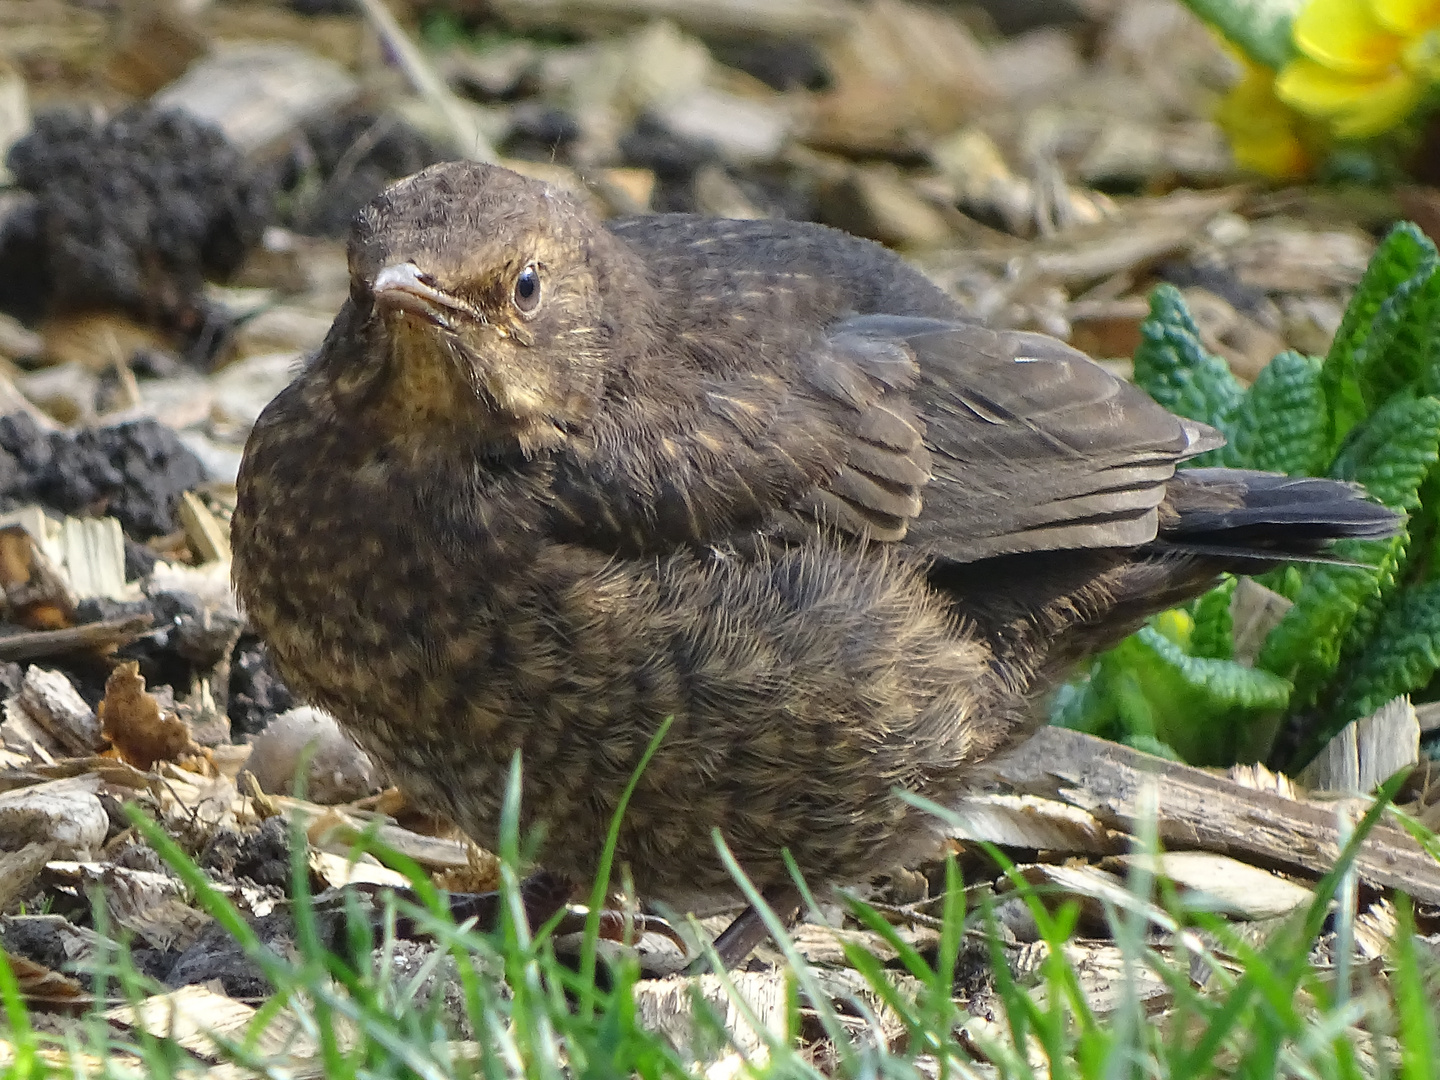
{"points": [[1363, 64], [1266, 136], [1176, 624]]}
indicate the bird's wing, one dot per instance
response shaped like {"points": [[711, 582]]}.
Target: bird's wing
{"points": [[959, 440], [1034, 446]]}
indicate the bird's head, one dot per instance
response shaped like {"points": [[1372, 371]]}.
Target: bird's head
{"points": [[481, 296]]}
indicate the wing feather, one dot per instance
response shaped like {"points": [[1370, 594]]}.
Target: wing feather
{"points": [[946, 436]]}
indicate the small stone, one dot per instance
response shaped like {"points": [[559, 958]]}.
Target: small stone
{"points": [[339, 770]]}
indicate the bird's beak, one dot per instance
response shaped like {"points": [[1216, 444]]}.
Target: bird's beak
{"points": [[402, 287]]}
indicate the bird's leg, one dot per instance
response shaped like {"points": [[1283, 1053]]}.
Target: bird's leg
{"points": [[739, 939]]}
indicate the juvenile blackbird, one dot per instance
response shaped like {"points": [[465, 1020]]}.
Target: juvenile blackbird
{"points": [[548, 482]]}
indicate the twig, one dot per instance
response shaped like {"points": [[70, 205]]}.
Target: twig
{"points": [[470, 141]]}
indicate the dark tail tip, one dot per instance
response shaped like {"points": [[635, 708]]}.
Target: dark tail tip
{"points": [[1244, 514]]}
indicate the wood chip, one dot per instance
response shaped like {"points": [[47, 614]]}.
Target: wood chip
{"points": [[15, 121], [824, 945], [668, 1006], [901, 75], [743, 19], [25, 737], [19, 869], [157, 41], [1025, 821], [1368, 752], [13, 401], [1099, 892], [1254, 611], [337, 871], [17, 341], [37, 594], [51, 700], [97, 636], [1375, 929], [194, 1015], [1108, 982], [144, 902], [62, 813], [126, 779], [259, 93], [880, 203], [207, 538], [42, 986], [94, 557], [431, 852], [1221, 884]]}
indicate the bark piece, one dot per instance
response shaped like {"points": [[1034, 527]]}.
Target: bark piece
{"points": [[1194, 809]]}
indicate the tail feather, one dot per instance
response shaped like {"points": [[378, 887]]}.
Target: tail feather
{"points": [[1046, 610], [1247, 515]]}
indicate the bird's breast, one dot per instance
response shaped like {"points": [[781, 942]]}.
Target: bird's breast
{"points": [[373, 577]]}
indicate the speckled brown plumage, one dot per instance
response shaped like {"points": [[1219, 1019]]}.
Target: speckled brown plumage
{"points": [[760, 476]]}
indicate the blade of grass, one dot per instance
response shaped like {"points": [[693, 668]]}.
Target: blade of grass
{"points": [[1276, 971], [1416, 1020], [23, 1043], [601, 885], [819, 1001]]}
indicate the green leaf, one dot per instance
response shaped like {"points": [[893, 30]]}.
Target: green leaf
{"points": [[1258, 28], [1282, 424], [1391, 455], [1399, 658], [1394, 451], [1204, 708], [1213, 635], [1306, 644], [1405, 254], [1082, 704], [1177, 371], [1397, 353]]}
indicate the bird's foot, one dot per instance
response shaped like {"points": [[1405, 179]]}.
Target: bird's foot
{"points": [[542, 896]]}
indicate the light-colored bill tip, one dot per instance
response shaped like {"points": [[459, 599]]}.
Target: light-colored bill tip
{"points": [[1200, 437]]}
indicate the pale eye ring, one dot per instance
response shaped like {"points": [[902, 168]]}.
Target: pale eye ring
{"points": [[526, 296]]}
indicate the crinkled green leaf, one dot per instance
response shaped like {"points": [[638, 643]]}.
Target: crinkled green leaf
{"points": [[1391, 455], [1397, 352], [1394, 451], [1177, 371], [1372, 606], [1213, 635], [1258, 28], [1204, 708], [1399, 658], [1405, 253], [1306, 645], [1282, 424], [1085, 705], [1067, 704], [1425, 529]]}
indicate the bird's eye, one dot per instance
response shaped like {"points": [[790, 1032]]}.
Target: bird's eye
{"points": [[527, 289]]}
